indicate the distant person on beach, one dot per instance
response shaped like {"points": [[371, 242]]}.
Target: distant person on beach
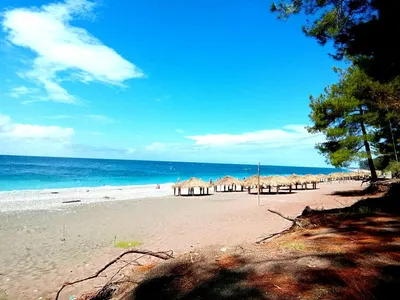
{"points": [[157, 187]]}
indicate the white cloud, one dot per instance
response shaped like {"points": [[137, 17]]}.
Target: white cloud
{"points": [[9, 129], [61, 47], [20, 91], [96, 118], [156, 146], [130, 151], [290, 135], [179, 131]]}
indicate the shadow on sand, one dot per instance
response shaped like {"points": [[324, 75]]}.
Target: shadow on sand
{"points": [[349, 253]]}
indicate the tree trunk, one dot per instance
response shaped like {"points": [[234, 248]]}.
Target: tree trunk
{"points": [[368, 150]]}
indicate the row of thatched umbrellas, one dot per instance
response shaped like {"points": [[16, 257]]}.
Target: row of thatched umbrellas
{"points": [[229, 183]]}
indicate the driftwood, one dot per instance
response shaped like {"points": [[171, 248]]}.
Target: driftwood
{"points": [[71, 201], [295, 223], [160, 255]]}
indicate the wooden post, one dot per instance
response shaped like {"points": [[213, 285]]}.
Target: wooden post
{"points": [[179, 191], [248, 189], [258, 196], [290, 189]]}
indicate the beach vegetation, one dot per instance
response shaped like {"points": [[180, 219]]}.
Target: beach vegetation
{"points": [[358, 29], [362, 33], [127, 244], [294, 245], [346, 115], [394, 168]]}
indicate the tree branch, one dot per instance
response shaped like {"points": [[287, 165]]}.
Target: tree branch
{"points": [[282, 216], [160, 255], [294, 221]]}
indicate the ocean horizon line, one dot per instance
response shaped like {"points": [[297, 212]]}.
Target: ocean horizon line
{"points": [[38, 172], [173, 161]]}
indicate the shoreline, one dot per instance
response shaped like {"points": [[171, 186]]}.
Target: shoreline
{"points": [[51, 199], [88, 187]]}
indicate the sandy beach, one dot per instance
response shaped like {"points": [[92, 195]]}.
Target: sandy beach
{"points": [[45, 242]]}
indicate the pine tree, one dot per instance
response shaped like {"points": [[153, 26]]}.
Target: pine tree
{"points": [[346, 114]]}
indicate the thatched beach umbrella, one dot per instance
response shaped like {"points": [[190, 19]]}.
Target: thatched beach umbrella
{"points": [[278, 182], [252, 182], [310, 179], [190, 185], [295, 179], [228, 181], [322, 177]]}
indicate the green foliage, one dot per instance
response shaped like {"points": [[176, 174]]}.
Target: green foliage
{"points": [[365, 210], [380, 162], [394, 167], [361, 30], [298, 246], [126, 244], [345, 113]]}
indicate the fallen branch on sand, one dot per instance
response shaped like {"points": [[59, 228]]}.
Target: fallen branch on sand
{"points": [[295, 223], [71, 201], [160, 255]]}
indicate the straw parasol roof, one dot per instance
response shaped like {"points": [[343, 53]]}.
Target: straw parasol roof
{"points": [[251, 181], [192, 183], [310, 179], [295, 179], [279, 181], [228, 180]]}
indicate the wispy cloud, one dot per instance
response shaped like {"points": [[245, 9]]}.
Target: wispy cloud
{"points": [[95, 133], [90, 149], [130, 151], [156, 146], [179, 131], [60, 47], [21, 91], [96, 118], [290, 135], [10, 129]]}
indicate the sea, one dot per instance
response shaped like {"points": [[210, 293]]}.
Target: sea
{"points": [[32, 173]]}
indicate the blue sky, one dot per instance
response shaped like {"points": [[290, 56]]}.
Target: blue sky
{"points": [[207, 81]]}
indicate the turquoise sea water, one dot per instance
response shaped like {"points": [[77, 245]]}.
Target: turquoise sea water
{"points": [[27, 172]]}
